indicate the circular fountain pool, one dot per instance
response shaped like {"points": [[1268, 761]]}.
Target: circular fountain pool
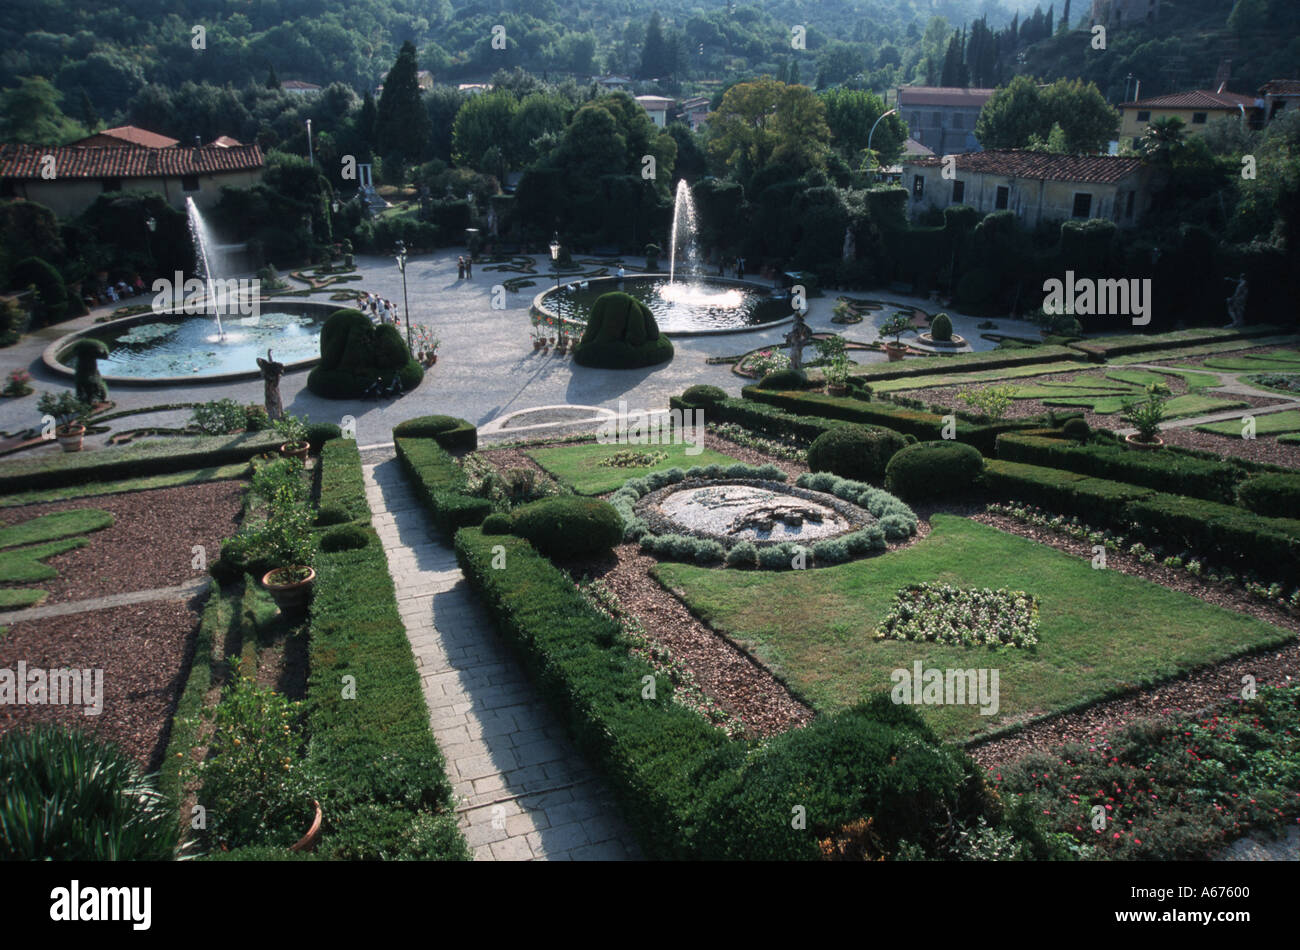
{"points": [[681, 307], [171, 347], [760, 512]]}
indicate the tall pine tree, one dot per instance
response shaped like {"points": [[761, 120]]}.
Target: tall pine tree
{"points": [[657, 56], [402, 124]]}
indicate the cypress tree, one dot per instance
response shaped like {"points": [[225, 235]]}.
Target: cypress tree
{"points": [[402, 124]]}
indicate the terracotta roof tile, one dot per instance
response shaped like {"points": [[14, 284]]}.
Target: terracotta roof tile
{"points": [[1017, 163], [132, 135], [1281, 87], [71, 161], [942, 96], [1196, 99]]}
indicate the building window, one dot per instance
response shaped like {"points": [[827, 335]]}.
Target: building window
{"points": [[1128, 207], [1144, 115], [1082, 204], [189, 183], [1003, 198], [958, 192], [112, 184], [1198, 118], [918, 187], [936, 119]]}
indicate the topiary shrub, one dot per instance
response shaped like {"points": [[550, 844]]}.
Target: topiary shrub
{"points": [[703, 395], [1275, 495], [568, 526], [744, 554], [934, 470], [941, 328], [621, 333], [354, 353], [1076, 429], [90, 385], [318, 433], [496, 524], [346, 537], [332, 515], [784, 379], [853, 451], [53, 292], [448, 431]]}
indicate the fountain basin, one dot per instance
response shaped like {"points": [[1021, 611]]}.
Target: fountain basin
{"points": [[764, 513], [686, 307], [154, 355]]}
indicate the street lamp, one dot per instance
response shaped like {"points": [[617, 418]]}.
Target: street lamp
{"points": [[876, 123], [555, 258], [406, 306], [310, 158], [151, 225]]}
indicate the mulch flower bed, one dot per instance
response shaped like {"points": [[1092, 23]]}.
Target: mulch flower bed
{"points": [[142, 650], [1264, 448], [150, 543]]}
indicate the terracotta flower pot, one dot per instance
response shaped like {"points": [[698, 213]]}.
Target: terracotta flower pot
{"points": [[296, 450], [895, 351], [1136, 443], [308, 841], [836, 389], [291, 596], [538, 344], [70, 437]]}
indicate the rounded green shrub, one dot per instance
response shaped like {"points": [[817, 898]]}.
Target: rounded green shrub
{"points": [[934, 470], [621, 333], [1076, 429], [941, 328], [701, 395], [496, 523], [1273, 494], [854, 451], [318, 433], [354, 353], [568, 526], [784, 379], [53, 292], [346, 537], [332, 515], [744, 554], [448, 431]]}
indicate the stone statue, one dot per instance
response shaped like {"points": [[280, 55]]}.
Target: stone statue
{"points": [[271, 373], [850, 244], [798, 337], [1237, 302]]}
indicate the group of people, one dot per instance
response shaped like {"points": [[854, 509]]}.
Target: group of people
{"points": [[736, 264], [464, 268], [379, 309], [109, 292]]}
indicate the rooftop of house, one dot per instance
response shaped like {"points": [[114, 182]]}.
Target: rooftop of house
{"points": [[1281, 87], [298, 84], [1196, 99], [656, 102], [942, 96], [130, 135], [71, 161], [1018, 163], [914, 148]]}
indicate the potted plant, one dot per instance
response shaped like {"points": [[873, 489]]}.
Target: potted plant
{"points": [[1145, 415], [562, 344], [68, 412], [833, 353], [18, 383], [290, 587], [294, 432], [896, 326]]}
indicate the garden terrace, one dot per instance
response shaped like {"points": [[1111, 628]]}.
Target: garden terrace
{"points": [[1102, 349]]}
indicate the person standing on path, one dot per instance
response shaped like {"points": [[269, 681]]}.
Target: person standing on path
{"points": [[460, 268], [469, 267]]}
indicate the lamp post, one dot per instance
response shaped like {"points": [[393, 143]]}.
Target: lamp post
{"points": [[555, 259], [334, 209], [876, 123], [151, 225], [406, 306], [310, 158]]}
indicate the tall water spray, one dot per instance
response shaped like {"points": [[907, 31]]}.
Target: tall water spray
{"points": [[683, 232], [202, 241]]}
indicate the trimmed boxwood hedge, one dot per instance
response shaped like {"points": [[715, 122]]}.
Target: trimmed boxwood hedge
{"points": [[960, 362], [1270, 494], [381, 779], [930, 470], [756, 416], [448, 431], [1062, 491], [136, 460], [685, 789], [854, 451], [1180, 474], [926, 426], [440, 485]]}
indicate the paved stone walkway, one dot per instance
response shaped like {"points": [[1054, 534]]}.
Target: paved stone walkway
{"points": [[524, 792], [179, 592]]}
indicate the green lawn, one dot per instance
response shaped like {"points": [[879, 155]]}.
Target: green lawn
{"points": [[50, 527], [16, 597], [146, 483], [578, 466], [23, 565], [1266, 424], [907, 383], [1105, 394], [1202, 349], [1099, 630], [1278, 360]]}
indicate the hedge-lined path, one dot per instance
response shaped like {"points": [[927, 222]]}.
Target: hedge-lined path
{"points": [[524, 792]]}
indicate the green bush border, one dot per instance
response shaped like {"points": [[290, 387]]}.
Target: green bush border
{"points": [[440, 485]]}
